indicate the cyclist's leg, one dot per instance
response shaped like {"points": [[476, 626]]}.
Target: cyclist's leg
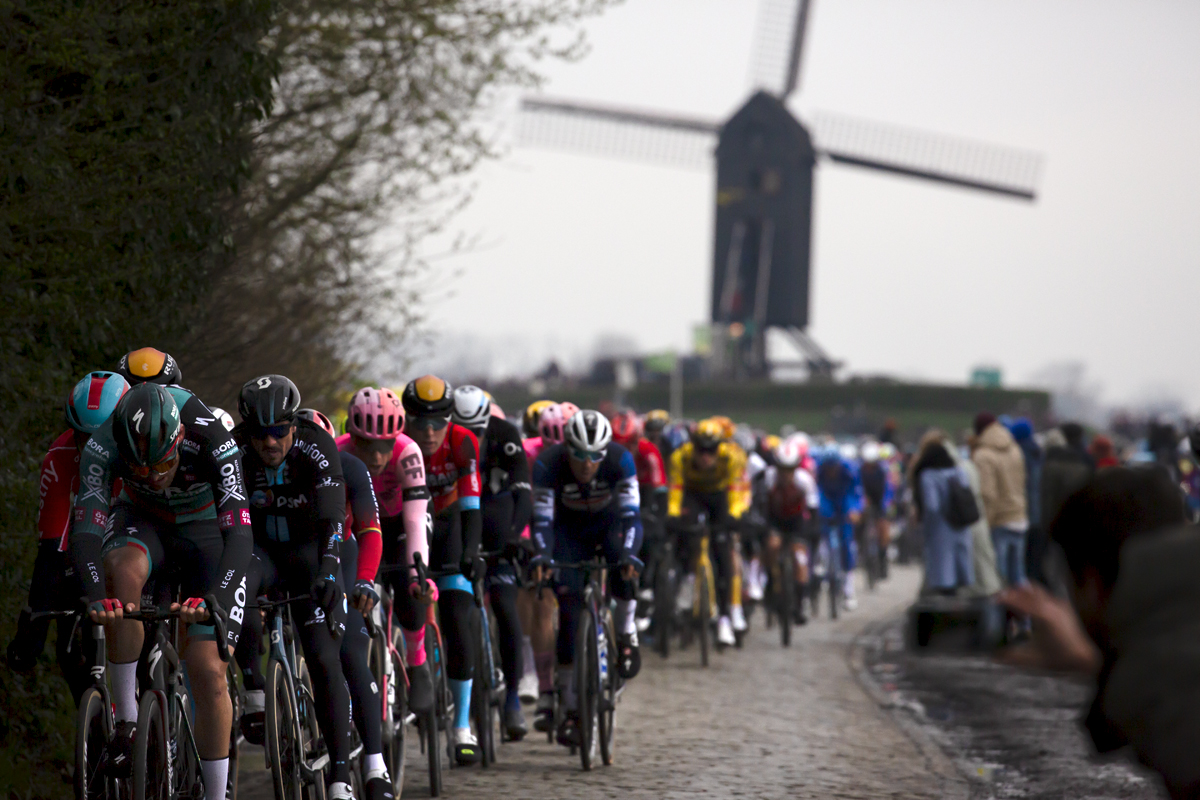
{"points": [[624, 595], [502, 592], [456, 609], [849, 546], [260, 574], [364, 692], [394, 566], [569, 546]]}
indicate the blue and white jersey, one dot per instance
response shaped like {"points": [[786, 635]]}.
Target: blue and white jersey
{"points": [[563, 506]]}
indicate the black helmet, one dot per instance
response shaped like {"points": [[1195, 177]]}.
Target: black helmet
{"points": [[148, 365], [145, 425], [268, 400], [428, 396]]}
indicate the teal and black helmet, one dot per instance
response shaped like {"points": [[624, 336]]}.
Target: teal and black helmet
{"points": [[146, 425], [93, 399], [268, 400]]}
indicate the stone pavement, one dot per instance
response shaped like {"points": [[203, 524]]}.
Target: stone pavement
{"points": [[760, 722]]}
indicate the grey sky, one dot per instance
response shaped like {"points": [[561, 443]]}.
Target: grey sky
{"points": [[909, 278]]}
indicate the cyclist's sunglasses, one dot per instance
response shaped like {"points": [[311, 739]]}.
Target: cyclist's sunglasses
{"points": [[428, 423], [708, 451], [587, 455], [381, 446], [274, 431], [162, 467]]}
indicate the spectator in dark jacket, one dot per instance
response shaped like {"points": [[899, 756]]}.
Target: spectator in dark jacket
{"points": [[1066, 467], [1133, 619]]}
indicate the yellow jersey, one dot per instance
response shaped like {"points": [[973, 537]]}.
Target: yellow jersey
{"points": [[728, 474]]}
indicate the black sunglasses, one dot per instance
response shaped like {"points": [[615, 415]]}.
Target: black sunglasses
{"points": [[274, 431], [429, 423]]}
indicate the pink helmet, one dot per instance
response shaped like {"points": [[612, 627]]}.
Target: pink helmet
{"points": [[568, 409], [312, 415], [551, 424], [375, 414]]}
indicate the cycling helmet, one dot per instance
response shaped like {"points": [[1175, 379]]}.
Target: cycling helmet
{"points": [[146, 425], [787, 454], [627, 428], [708, 434], [222, 416], [848, 451], [375, 414], [727, 427], [551, 423], [428, 396], [568, 410], [887, 451], [588, 431], [472, 407], [743, 437], [319, 419], [148, 365], [870, 451], [268, 400], [533, 412], [802, 441], [655, 421], [769, 442], [93, 399]]}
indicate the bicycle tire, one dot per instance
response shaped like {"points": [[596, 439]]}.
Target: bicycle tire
{"points": [[432, 718], [314, 788], [482, 712], [283, 749], [395, 708], [835, 581], [151, 767], [607, 715], [704, 615], [586, 690], [786, 594], [93, 729], [664, 606], [236, 698]]}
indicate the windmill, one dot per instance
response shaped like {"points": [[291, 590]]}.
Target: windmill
{"points": [[764, 163]]}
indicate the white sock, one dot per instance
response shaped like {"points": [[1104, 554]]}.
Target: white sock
{"points": [[527, 652], [624, 612], [216, 774], [123, 678], [256, 700], [375, 762]]}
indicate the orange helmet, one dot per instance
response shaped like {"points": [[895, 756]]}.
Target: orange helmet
{"points": [[627, 428]]}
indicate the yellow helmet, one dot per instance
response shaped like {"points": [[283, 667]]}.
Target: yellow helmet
{"points": [[770, 442], [727, 427], [656, 420], [708, 434], [533, 413]]}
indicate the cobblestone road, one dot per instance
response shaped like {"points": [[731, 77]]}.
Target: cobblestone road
{"points": [[761, 722]]}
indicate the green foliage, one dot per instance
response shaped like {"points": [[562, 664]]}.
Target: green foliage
{"points": [[123, 138]]}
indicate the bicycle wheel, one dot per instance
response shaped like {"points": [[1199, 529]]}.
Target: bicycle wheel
{"points": [[586, 689], [236, 698], [835, 588], [787, 593], [432, 719], [310, 737], [703, 616], [93, 728], [483, 713], [607, 652], [664, 604], [151, 758], [283, 749], [395, 703]]}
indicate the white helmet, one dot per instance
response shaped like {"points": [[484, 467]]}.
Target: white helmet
{"points": [[801, 440], [588, 431], [222, 416], [870, 451], [788, 454], [471, 408], [848, 451]]}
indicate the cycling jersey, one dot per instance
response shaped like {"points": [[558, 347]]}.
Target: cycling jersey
{"points": [[303, 499], [876, 484], [841, 493], [790, 493], [503, 463], [728, 475], [207, 487], [362, 516], [562, 506], [57, 487], [651, 474], [452, 472], [401, 492]]}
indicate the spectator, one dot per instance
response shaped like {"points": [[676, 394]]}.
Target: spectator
{"points": [[1035, 537], [1133, 620], [1001, 468], [948, 558], [1103, 453], [1067, 467]]}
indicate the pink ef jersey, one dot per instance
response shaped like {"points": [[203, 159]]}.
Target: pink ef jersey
{"points": [[401, 491], [533, 448]]}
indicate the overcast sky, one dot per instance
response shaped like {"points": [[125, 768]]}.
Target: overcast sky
{"points": [[909, 278]]}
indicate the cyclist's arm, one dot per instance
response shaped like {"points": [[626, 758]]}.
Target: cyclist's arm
{"points": [[629, 503], [735, 479], [410, 471], [92, 508], [542, 531], [675, 482], [363, 516], [518, 468], [469, 489], [233, 514], [330, 502]]}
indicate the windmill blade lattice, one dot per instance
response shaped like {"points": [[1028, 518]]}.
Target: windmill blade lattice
{"points": [[772, 68], [918, 154], [610, 131]]}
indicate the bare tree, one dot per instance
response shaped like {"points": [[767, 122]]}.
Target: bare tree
{"points": [[378, 109]]}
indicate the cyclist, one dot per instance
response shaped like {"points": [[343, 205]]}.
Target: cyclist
{"points": [[507, 505], [652, 487], [374, 435], [54, 586], [707, 474], [841, 509], [585, 499], [533, 413], [874, 474], [451, 473], [181, 516], [654, 427], [792, 501], [147, 365]]}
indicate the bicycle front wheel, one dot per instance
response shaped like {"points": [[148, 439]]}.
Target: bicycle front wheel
{"points": [[587, 690], [385, 665], [93, 728], [151, 758], [787, 594], [607, 712], [703, 615], [283, 749], [483, 712]]}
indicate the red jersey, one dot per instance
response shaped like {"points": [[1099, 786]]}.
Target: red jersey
{"points": [[56, 489], [452, 472], [651, 472]]}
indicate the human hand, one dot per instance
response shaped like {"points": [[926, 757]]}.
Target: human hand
{"points": [[1059, 641]]}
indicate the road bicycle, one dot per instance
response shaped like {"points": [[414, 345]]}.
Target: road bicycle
{"points": [[388, 660], [827, 567], [869, 544], [488, 687], [704, 584]]}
